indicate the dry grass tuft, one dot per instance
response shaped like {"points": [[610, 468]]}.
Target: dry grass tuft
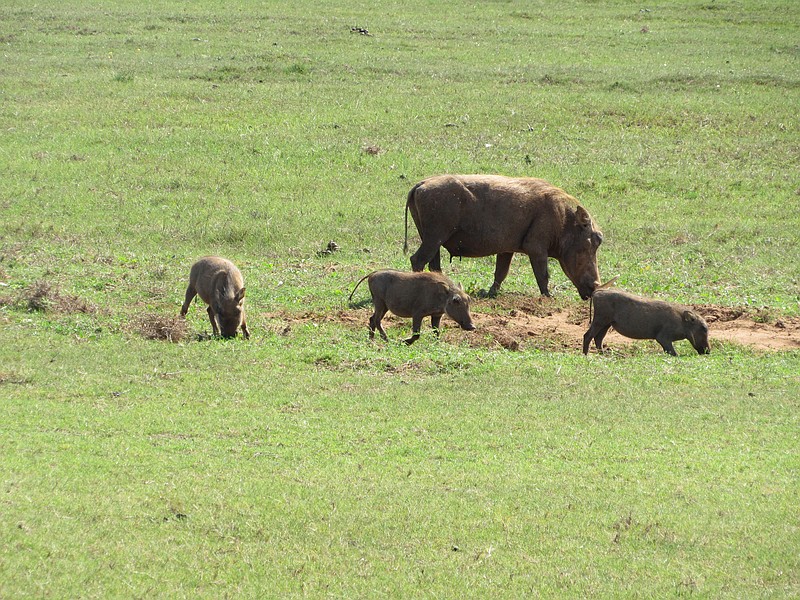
{"points": [[160, 327], [38, 296], [42, 296]]}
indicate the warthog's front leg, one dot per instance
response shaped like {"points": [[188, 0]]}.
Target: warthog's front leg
{"points": [[435, 321], [429, 253], [598, 333], [542, 273], [667, 346], [212, 317]]}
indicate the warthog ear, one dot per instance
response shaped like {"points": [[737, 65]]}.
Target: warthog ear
{"points": [[240, 295], [689, 316], [582, 216], [456, 299]]}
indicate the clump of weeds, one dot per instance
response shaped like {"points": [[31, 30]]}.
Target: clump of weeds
{"points": [[159, 327], [42, 296]]}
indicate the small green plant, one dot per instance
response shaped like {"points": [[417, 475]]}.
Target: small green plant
{"points": [[298, 69], [123, 77]]}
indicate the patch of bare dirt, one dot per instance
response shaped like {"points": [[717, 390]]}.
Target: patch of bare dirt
{"points": [[515, 322], [755, 330]]}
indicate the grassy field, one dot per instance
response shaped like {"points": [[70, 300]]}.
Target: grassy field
{"points": [[306, 461]]}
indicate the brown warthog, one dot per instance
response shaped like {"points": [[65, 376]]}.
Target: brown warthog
{"points": [[481, 215], [645, 319], [220, 285], [415, 295]]}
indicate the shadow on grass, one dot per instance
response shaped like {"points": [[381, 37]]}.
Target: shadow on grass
{"points": [[366, 303]]}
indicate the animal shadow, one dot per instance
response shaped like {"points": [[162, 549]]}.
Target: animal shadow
{"points": [[361, 303]]}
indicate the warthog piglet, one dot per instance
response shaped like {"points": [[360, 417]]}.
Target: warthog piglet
{"points": [[220, 285], [645, 319], [415, 295]]}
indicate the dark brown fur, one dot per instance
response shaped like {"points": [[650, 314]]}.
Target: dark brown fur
{"points": [[415, 295], [220, 285], [481, 215], [645, 319]]}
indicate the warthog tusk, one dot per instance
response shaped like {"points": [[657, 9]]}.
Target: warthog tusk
{"points": [[608, 284]]}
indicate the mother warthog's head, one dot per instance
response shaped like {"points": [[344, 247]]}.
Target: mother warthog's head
{"points": [[578, 253]]}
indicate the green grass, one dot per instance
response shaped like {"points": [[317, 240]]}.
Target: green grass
{"points": [[309, 462], [291, 471]]}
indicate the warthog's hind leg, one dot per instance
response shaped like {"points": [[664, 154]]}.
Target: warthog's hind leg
{"points": [[190, 294], [501, 268], [375, 321], [416, 325]]}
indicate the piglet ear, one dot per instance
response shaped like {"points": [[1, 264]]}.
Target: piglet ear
{"points": [[582, 216]]}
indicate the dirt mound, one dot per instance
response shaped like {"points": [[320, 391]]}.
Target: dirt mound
{"points": [[515, 323], [774, 334]]}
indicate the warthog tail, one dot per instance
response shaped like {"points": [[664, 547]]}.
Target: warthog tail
{"points": [[350, 297], [408, 201], [405, 243]]}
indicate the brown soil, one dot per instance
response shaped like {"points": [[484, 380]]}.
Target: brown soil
{"points": [[516, 322]]}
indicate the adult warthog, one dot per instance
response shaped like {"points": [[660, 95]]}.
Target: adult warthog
{"points": [[481, 215]]}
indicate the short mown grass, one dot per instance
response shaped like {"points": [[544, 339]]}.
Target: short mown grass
{"points": [[141, 457]]}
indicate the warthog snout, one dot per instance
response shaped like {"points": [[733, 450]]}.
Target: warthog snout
{"points": [[697, 334]]}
